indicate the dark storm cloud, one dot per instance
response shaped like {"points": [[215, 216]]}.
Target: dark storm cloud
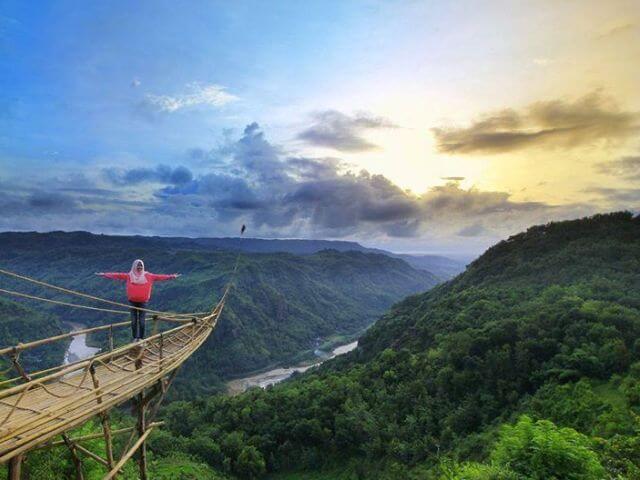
{"points": [[160, 174], [627, 168], [342, 132], [556, 123]]}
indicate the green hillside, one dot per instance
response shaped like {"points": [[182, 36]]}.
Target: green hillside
{"points": [[524, 367], [21, 324], [282, 303]]}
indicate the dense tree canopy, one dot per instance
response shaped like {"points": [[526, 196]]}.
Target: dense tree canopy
{"points": [[537, 325]]}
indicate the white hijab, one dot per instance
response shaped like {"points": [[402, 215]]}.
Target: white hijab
{"points": [[136, 277]]}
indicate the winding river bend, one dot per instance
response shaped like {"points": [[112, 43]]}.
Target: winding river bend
{"points": [[271, 377], [78, 348]]}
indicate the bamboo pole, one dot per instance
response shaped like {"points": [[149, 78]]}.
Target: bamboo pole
{"points": [[111, 338], [15, 467], [161, 353], [93, 456], [74, 456], [36, 343], [104, 418], [93, 436], [142, 451], [126, 456]]}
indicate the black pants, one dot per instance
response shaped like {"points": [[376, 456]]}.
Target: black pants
{"points": [[137, 320]]}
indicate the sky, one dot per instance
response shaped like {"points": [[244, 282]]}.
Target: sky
{"points": [[414, 126]]}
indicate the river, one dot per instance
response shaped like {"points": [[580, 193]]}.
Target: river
{"points": [[78, 348], [271, 377]]}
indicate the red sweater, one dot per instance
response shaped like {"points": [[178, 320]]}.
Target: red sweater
{"points": [[139, 292]]}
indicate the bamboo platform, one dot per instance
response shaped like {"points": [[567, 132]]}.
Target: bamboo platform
{"points": [[49, 403]]}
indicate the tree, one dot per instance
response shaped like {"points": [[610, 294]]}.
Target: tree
{"points": [[250, 463], [477, 471], [542, 451]]}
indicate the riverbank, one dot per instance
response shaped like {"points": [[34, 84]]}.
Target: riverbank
{"points": [[277, 375], [78, 348]]}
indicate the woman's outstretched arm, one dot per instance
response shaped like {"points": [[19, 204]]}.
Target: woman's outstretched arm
{"points": [[159, 277], [114, 275]]}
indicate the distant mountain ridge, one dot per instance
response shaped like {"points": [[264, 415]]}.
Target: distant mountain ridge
{"points": [[441, 266]]}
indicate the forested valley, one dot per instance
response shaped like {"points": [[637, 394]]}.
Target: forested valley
{"points": [[283, 305], [524, 367]]}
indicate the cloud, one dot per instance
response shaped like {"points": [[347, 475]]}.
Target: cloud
{"points": [[51, 202], [473, 230], [627, 168], [278, 195], [319, 196], [197, 94], [38, 203], [197, 153], [160, 174], [453, 179], [452, 200], [313, 168], [555, 124], [621, 198], [344, 202], [260, 159], [619, 29], [342, 132]]}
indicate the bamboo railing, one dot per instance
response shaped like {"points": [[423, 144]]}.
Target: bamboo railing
{"points": [[48, 403]]}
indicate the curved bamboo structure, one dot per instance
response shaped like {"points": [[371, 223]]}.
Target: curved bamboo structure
{"points": [[49, 403]]}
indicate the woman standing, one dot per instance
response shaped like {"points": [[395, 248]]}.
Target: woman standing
{"points": [[139, 285]]}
